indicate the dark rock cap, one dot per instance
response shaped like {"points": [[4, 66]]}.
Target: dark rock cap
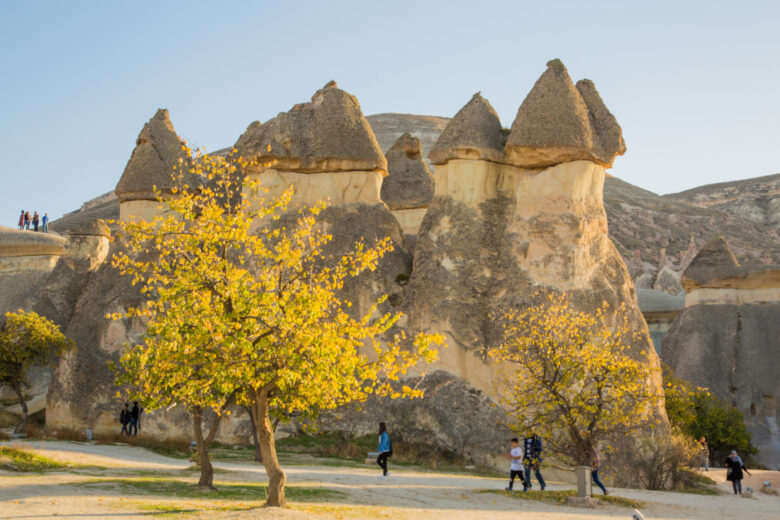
{"points": [[558, 122], [409, 182], [158, 151], [14, 242], [715, 260], [608, 136], [329, 134], [474, 133]]}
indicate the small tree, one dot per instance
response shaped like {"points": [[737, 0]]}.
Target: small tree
{"points": [[253, 314], [698, 413], [27, 338], [568, 376]]}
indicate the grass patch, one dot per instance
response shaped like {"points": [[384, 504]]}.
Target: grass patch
{"points": [[245, 491], [15, 459], [697, 484], [562, 497]]}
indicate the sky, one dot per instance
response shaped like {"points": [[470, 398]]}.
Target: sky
{"points": [[694, 85]]}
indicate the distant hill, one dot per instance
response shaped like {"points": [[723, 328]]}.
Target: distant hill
{"points": [[756, 199]]}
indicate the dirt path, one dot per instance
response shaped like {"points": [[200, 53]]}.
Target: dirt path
{"points": [[407, 494]]}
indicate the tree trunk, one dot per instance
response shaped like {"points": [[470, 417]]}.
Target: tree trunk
{"points": [[258, 455], [18, 391], [265, 436], [206, 469]]}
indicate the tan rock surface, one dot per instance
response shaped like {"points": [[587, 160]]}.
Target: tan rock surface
{"points": [[608, 136], [328, 134], [552, 124], [474, 133], [409, 182], [14, 242], [153, 162]]}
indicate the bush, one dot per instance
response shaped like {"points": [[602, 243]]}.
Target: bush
{"points": [[657, 461], [697, 413]]}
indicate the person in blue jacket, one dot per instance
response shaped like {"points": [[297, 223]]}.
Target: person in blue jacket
{"points": [[385, 449]]}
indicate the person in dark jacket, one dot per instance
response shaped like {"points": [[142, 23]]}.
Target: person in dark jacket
{"points": [[734, 467], [532, 459], [135, 413], [35, 221], [26, 220], [385, 449], [124, 419]]}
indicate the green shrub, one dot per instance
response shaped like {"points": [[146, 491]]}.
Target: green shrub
{"points": [[697, 413]]}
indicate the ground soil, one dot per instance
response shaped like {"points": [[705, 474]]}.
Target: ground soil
{"points": [[408, 493]]}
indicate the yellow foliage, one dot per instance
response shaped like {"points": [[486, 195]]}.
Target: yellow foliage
{"points": [[568, 375]]}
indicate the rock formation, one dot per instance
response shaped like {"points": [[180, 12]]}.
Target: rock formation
{"points": [[326, 149], [727, 339], [408, 188], [559, 122], [157, 154], [496, 230]]}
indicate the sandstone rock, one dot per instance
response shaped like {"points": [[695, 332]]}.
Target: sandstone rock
{"points": [[157, 154], [668, 281], [14, 242], [409, 183], [608, 136], [329, 134], [552, 124], [389, 127], [452, 417], [634, 264], [734, 351], [644, 281], [715, 260], [687, 256], [474, 133]]}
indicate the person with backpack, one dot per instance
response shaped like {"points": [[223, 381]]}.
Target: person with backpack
{"points": [[385, 449], [35, 221], [532, 459], [734, 467], [124, 419]]}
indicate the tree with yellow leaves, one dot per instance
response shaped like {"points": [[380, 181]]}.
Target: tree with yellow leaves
{"points": [[242, 309], [568, 376], [27, 338]]}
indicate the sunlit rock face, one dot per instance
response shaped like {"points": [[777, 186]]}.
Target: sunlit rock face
{"points": [[157, 156], [727, 339], [510, 217]]}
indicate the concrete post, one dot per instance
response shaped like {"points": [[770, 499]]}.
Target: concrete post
{"points": [[583, 481]]}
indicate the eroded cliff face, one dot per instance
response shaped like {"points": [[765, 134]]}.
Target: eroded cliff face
{"points": [[504, 231]]}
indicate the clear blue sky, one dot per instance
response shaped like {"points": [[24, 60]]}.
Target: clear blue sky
{"points": [[695, 85]]}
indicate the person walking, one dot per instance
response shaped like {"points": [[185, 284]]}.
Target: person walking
{"points": [[45, 221], [385, 449], [21, 221], [532, 459], [26, 220], [734, 468], [705, 454], [594, 471], [124, 419], [516, 466], [36, 220], [135, 412]]}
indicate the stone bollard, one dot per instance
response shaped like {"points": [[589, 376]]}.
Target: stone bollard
{"points": [[584, 488]]}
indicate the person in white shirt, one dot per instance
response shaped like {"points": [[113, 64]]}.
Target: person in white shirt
{"points": [[516, 467]]}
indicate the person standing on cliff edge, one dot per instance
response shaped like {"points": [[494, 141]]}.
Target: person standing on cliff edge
{"points": [[21, 221]]}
